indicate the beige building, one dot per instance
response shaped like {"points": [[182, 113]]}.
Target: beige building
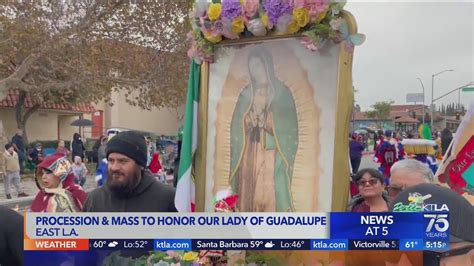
{"points": [[120, 114], [52, 122], [49, 122]]}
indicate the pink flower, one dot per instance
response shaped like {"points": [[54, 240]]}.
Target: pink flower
{"points": [[191, 52], [299, 3], [321, 5], [308, 43], [171, 253], [250, 8], [317, 6]]}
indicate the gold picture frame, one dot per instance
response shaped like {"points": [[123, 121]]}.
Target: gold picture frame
{"points": [[344, 96]]}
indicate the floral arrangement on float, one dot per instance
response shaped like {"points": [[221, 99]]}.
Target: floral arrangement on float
{"points": [[317, 21], [155, 258], [225, 201]]}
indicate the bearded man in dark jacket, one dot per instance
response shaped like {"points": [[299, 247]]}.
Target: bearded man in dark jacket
{"points": [[130, 186]]}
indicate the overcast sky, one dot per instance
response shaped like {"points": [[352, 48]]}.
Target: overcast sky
{"points": [[411, 39]]}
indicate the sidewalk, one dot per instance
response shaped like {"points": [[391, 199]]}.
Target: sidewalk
{"points": [[30, 188]]}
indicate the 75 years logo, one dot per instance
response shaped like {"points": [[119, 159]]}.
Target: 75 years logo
{"points": [[436, 226]]}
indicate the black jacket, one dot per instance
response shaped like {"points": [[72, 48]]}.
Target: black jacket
{"points": [[149, 196], [11, 237], [77, 146]]}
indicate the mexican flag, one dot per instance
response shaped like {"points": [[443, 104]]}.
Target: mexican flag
{"points": [[185, 190], [457, 170]]}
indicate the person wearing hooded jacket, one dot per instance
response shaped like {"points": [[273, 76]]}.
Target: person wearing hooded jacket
{"points": [[130, 186], [58, 191], [77, 146]]}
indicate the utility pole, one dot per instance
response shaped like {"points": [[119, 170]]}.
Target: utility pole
{"points": [[432, 94]]}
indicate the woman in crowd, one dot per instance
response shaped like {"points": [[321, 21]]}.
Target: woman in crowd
{"points": [[372, 197], [58, 192], [79, 170], [62, 148], [36, 155]]}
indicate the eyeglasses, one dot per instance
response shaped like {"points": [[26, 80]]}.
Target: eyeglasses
{"points": [[371, 182], [393, 191]]}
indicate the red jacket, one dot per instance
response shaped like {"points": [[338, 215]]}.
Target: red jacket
{"points": [[155, 165]]}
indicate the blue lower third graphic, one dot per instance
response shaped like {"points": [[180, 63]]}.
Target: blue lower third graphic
{"points": [[329, 244], [411, 244], [172, 244], [375, 244]]}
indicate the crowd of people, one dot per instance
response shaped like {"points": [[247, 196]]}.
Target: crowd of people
{"points": [[128, 183], [17, 157], [405, 177], [130, 186]]}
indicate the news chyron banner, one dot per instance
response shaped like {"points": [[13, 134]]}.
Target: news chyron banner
{"points": [[236, 231]]}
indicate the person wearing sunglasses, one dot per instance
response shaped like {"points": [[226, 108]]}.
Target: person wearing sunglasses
{"points": [[371, 196], [407, 173]]}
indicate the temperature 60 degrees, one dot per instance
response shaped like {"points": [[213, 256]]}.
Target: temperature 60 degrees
{"points": [[98, 243], [256, 243]]}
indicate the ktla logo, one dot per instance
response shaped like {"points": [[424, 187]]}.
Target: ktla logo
{"points": [[439, 222]]}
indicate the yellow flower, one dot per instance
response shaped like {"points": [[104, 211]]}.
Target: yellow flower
{"points": [[214, 11], [190, 256], [321, 16], [265, 20], [212, 38], [301, 16], [238, 25], [293, 27]]}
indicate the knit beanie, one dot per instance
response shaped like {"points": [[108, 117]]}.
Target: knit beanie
{"points": [[130, 144]]}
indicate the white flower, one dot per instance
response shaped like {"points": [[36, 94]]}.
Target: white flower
{"points": [[200, 8], [256, 27], [282, 23], [336, 23], [161, 263]]}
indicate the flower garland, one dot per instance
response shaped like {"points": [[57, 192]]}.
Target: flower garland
{"points": [[317, 20]]}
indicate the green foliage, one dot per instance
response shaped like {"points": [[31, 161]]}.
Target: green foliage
{"points": [[381, 111], [261, 258], [79, 51]]}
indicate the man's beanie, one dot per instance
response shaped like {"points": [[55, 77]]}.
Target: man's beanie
{"points": [[461, 212], [130, 144]]}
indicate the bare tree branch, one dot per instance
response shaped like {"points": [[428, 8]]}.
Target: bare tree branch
{"points": [[15, 79]]}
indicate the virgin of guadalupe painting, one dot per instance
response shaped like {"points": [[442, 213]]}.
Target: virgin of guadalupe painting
{"points": [[264, 139]]}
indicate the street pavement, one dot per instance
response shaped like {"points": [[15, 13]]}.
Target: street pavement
{"points": [[30, 188], [367, 161]]}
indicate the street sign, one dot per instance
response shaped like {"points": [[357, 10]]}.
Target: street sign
{"points": [[415, 97], [468, 89]]}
